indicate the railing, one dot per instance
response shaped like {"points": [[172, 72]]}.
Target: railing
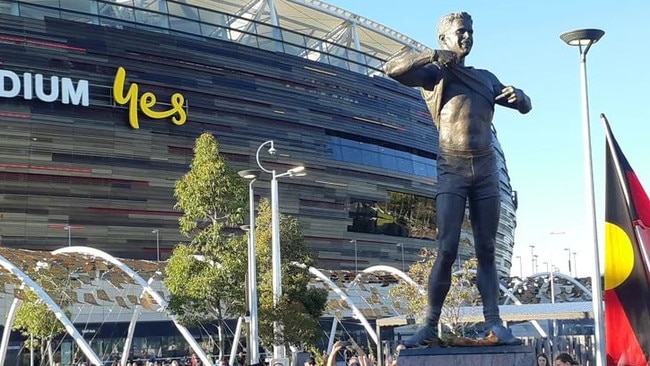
{"points": [[198, 21], [580, 347]]}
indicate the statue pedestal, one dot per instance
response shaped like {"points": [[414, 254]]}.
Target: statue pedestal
{"points": [[462, 356]]}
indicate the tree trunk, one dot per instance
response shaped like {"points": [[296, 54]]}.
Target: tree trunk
{"points": [[50, 354]]}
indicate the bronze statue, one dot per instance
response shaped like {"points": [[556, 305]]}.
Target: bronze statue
{"points": [[461, 100]]}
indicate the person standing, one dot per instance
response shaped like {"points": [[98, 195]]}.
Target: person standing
{"points": [[461, 100]]}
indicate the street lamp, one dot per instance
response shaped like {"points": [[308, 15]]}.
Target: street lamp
{"points": [[575, 265], [521, 270], [535, 262], [584, 39], [67, 227], [356, 261], [276, 265], [568, 251], [157, 232], [532, 259], [253, 338], [400, 245]]}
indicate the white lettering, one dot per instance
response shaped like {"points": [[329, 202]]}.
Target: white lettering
{"points": [[78, 95], [27, 86], [15, 84], [40, 88], [70, 93]]}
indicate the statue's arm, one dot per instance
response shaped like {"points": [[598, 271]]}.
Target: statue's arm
{"points": [[511, 97], [415, 69]]}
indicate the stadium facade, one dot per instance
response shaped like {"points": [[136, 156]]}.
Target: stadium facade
{"points": [[101, 102]]}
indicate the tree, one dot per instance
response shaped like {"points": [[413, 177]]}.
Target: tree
{"points": [[300, 306], [204, 277], [462, 292], [34, 318]]}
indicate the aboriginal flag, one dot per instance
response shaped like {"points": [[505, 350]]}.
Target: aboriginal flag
{"points": [[627, 280]]}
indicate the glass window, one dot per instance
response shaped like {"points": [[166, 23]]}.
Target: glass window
{"points": [[183, 11], [116, 11], [37, 12], [352, 155], [184, 25], [388, 162], [371, 158], [405, 165]]}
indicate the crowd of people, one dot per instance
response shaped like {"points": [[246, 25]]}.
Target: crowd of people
{"points": [[563, 359]]}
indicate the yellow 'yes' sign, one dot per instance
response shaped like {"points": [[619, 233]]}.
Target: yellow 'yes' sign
{"points": [[146, 102]]}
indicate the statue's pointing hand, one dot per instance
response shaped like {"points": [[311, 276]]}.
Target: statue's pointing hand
{"points": [[510, 94]]}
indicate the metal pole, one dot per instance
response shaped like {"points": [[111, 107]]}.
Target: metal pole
{"points": [[69, 228], [356, 261], [532, 259], [575, 265], [253, 342], [278, 349], [569, 252], [596, 298], [157, 244]]}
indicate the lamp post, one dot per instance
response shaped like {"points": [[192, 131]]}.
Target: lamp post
{"points": [[400, 245], [253, 334], [575, 265], [356, 260], [584, 39], [157, 232], [279, 351], [521, 268], [568, 251], [69, 229], [535, 263], [532, 259]]}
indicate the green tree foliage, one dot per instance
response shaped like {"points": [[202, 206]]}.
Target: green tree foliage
{"points": [[205, 277], [462, 292], [211, 196], [34, 318], [300, 307]]}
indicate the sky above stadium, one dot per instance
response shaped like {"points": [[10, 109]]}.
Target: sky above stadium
{"points": [[519, 42]]}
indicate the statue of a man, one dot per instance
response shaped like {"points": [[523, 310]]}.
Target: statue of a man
{"points": [[461, 100]]}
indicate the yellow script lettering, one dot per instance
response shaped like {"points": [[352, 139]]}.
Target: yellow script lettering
{"points": [[148, 100]]}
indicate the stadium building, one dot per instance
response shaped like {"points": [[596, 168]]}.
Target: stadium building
{"points": [[101, 102]]}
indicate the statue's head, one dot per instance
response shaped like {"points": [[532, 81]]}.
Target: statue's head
{"points": [[455, 33]]}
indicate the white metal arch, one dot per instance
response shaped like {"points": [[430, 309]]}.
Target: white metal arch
{"points": [[555, 274], [408, 279], [392, 270], [145, 286], [58, 312], [344, 297]]}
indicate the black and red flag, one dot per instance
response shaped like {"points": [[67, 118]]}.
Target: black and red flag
{"points": [[627, 280]]}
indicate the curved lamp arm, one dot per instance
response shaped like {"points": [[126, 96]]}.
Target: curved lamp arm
{"points": [[257, 154]]}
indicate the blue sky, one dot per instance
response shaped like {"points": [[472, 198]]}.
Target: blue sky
{"points": [[519, 42]]}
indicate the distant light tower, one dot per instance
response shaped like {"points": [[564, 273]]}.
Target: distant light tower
{"points": [[400, 245], [532, 258], [157, 232], [356, 260]]}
